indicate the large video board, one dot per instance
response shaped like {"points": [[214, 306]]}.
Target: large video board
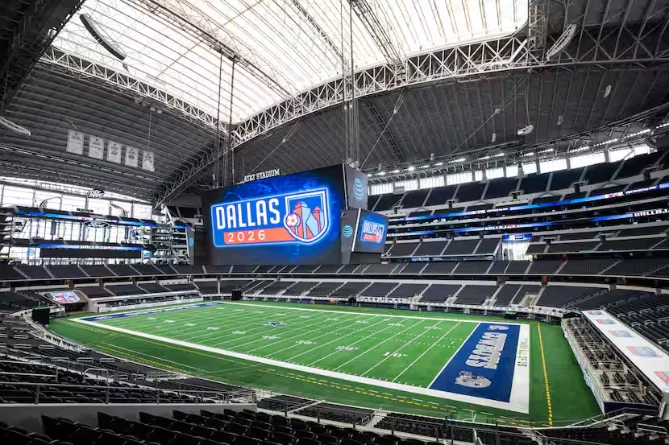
{"points": [[291, 219]]}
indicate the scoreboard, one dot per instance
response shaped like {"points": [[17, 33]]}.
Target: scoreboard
{"points": [[363, 231], [290, 219], [372, 231]]}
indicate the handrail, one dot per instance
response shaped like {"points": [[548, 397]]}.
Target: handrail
{"points": [[444, 429], [97, 369], [197, 395], [83, 385]]}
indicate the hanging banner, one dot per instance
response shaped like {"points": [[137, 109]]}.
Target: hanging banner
{"points": [[114, 152], [75, 142], [96, 147], [147, 161], [131, 155]]}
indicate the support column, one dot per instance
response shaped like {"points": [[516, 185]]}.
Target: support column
{"points": [[216, 175], [229, 154]]}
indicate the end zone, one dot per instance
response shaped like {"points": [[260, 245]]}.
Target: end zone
{"points": [[493, 364]]}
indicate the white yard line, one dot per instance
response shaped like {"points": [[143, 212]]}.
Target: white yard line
{"points": [[295, 344], [176, 314], [336, 339], [263, 327], [355, 342], [454, 354], [425, 352], [282, 331], [402, 347], [379, 344], [204, 322], [511, 406], [376, 315]]}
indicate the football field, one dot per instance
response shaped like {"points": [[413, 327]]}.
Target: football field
{"points": [[447, 358], [421, 362]]}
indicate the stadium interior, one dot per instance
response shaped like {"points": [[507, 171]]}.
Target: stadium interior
{"points": [[322, 222]]}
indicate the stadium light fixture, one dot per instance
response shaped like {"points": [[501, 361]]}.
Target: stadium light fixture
{"points": [[395, 171], [526, 130], [562, 42], [381, 174], [100, 36], [425, 166], [438, 164], [14, 126], [411, 168]]}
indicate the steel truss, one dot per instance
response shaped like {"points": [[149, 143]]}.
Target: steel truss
{"points": [[72, 65], [629, 47], [615, 46], [32, 36], [378, 31], [536, 27], [641, 45], [182, 178], [622, 133], [189, 19], [634, 48]]}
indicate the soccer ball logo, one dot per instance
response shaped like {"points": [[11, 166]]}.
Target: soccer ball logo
{"points": [[308, 221], [292, 220]]}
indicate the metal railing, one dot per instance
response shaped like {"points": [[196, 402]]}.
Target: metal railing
{"points": [[90, 371], [447, 429], [36, 394]]}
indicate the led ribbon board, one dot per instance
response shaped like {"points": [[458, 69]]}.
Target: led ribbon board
{"points": [[502, 210], [301, 218]]}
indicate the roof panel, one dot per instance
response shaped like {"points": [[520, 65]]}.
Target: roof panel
{"points": [[297, 43]]}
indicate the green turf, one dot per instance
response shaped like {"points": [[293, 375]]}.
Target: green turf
{"points": [[408, 354], [409, 351]]}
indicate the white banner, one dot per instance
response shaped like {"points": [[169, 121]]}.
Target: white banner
{"points": [[651, 360], [114, 152], [96, 147], [131, 156], [75, 142], [147, 161]]}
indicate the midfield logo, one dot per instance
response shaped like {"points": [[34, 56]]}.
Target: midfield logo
{"points": [[290, 218]]}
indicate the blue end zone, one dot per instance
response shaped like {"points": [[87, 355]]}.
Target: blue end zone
{"points": [[152, 311], [483, 367]]}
